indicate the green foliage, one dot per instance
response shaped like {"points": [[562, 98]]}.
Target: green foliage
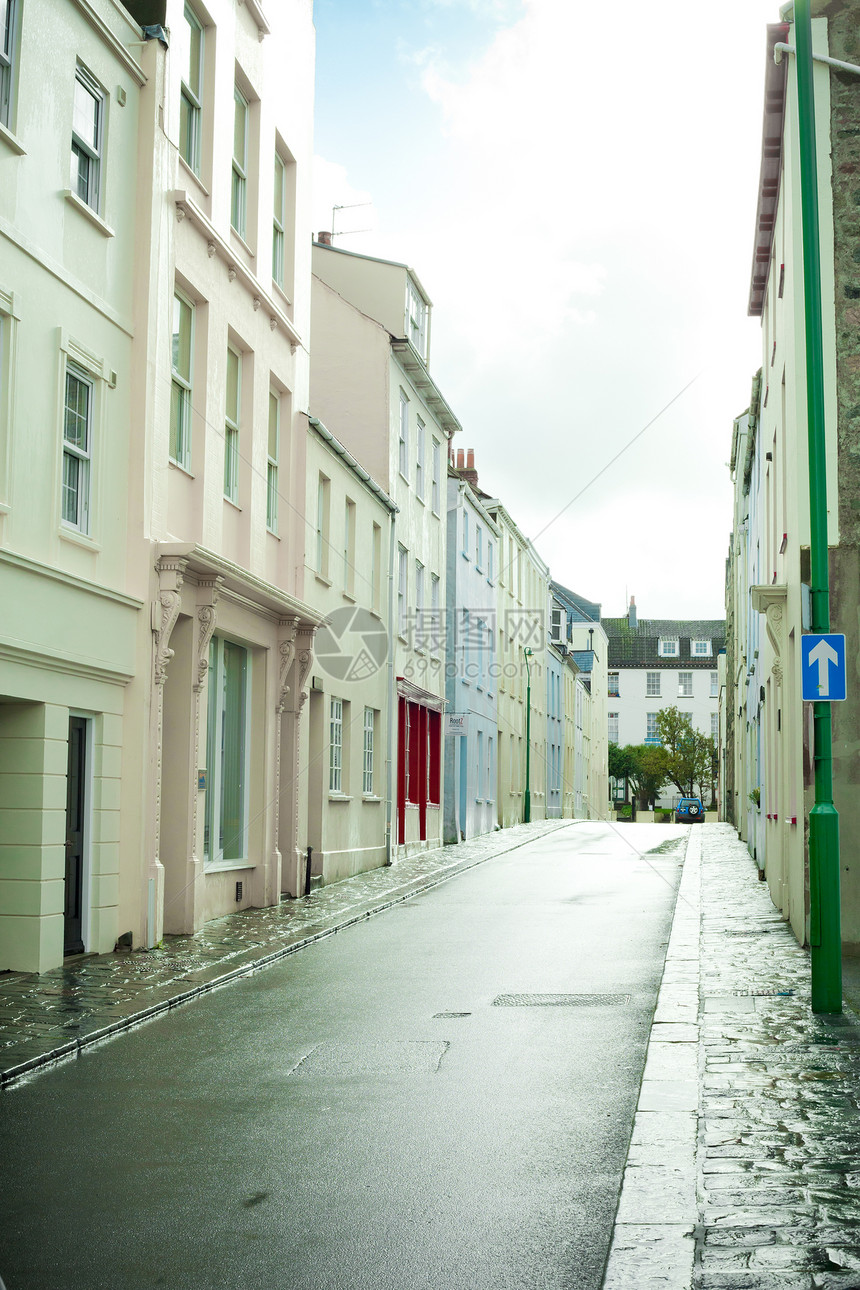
{"points": [[642, 766], [691, 757]]}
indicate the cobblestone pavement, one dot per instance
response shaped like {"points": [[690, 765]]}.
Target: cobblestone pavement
{"points": [[744, 1166], [48, 1017]]}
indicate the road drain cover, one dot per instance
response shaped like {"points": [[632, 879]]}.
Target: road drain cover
{"points": [[559, 1000], [449, 1016], [398, 1057]]}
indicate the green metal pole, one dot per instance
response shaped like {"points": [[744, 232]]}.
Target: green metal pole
{"points": [[825, 935], [527, 801]]}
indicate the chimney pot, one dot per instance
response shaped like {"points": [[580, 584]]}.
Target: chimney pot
{"points": [[470, 459], [460, 459], [324, 239]]}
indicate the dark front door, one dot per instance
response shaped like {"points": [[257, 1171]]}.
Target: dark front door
{"points": [[75, 803]]}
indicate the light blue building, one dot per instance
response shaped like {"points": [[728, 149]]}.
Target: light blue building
{"points": [[471, 669], [555, 650]]}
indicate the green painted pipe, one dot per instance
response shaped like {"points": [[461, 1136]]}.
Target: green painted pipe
{"points": [[825, 923], [527, 799]]}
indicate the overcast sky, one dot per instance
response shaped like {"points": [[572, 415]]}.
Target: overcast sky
{"points": [[575, 186]]}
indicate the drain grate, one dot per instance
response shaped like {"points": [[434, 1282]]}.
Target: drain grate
{"points": [[760, 994], [559, 1000], [449, 1016]]}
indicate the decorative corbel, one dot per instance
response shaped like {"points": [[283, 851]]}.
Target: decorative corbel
{"points": [[304, 659], [231, 272], [210, 249], [771, 602], [170, 572], [208, 591], [287, 651], [181, 212]]}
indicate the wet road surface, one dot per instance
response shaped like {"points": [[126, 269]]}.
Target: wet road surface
{"points": [[405, 1105]]}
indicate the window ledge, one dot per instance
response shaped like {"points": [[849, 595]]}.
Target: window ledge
{"points": [[347, 595], [273, 534], [193, 173], [339, 797], [226, 866], [79, 539], [370, 797], [236, 236], [177, 465], [11, 141], [466, 557], [420, 499], [235, 505], [282, 293], [74, 200], [322, 580]]}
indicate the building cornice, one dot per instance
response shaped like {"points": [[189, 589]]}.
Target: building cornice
{"points": [[69, 579], [239, 584], [413, 365], [335, 446], [770, 173]]}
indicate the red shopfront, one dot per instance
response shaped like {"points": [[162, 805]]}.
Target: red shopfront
{"points": [[419, 765]]}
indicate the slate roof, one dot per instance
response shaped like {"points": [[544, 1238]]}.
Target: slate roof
{"points": [[583, 658], [585, 611], [637, 647]]}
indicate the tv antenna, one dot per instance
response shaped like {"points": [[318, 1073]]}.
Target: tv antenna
{"points": [[350, 207]]}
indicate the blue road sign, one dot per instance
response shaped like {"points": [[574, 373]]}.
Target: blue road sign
{"points": [[822, 667]]}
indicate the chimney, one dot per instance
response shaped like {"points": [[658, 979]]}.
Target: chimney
{"points": [[631, 614], [470, 458], [470, 474], [324, 239], [460, 462]]}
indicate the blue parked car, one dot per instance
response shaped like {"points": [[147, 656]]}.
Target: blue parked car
{"points": [[689, 810]]}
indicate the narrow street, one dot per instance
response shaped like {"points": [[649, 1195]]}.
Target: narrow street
{"points": [[402, 1105]]}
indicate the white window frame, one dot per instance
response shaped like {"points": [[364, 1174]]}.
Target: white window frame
{"points": [[214, 740], [651, 731], [403, 442], [367, 763], [715, 685], [349, 546], [192, 100], [435, 624], [668, 647], [231, 429], [685, 685], [479, 548], [715, 725], [239, 174], [489, 561], [704, 652], [435, 492], [82, 456], [322, 530], [402, 589], [335, 746], [419, 606], [652, 685], [416, 318], [92, 152], [466, 533], [419, 459], [279, 221], [616, 677], [273, 454], [184, 387], [612, 724], [8, 68]]}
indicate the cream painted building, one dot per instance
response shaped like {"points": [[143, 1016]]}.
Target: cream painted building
{"points": [[371, 386], [70, 108], [348, 782]]}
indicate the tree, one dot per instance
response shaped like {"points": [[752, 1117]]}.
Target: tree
{"points": [[690, 755], [621, 764], [649, 772]]}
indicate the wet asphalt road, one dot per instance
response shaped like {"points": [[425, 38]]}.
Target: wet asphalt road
{"points": [[319, 1126]]}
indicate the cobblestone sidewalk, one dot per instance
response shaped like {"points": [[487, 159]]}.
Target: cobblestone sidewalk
{"points": [[744, 1166], [50, 1017]]}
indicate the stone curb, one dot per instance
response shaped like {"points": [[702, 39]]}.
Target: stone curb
{"points": [[347, 918], [654, 1236]]}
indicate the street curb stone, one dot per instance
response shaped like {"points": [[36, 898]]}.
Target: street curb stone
{"points": [[30, 1040]]}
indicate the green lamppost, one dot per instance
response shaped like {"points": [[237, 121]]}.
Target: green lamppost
{"points": [[527, 801], [825, 936]]}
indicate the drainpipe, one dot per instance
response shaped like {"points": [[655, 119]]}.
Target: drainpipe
{"points": [[389, 764], [527, 800], [825, 936]]}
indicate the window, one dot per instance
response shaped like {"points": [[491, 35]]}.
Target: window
{"points": [[613, 727], [192, 95], [419, 459], [556, 630], [8, 14], [715, 725], [651, 735], [403, 461], [239, 190], [489, 562], [87, 131], [279, 221], [77, 449], [715, 685], [349, 547], [437, 469], [652, 684], [491, 771], [322, 526], [273, 456], [668, 647], [416, 311], [466, 533], [700, 649], [376, 568], [227, 751], [335, 747], [434, 740], [685, 685], [180, 394], [367, 768], [479, 766], [612, 689], [479, 547], [231, 426], [420, 640], [435, 624], [402, 578]]}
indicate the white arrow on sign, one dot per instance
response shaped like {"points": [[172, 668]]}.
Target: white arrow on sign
{"points": [[823, 655]]}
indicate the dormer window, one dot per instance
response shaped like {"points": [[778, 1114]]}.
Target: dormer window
{"points": [[700, 649], [668, 647], [416, 318]]}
